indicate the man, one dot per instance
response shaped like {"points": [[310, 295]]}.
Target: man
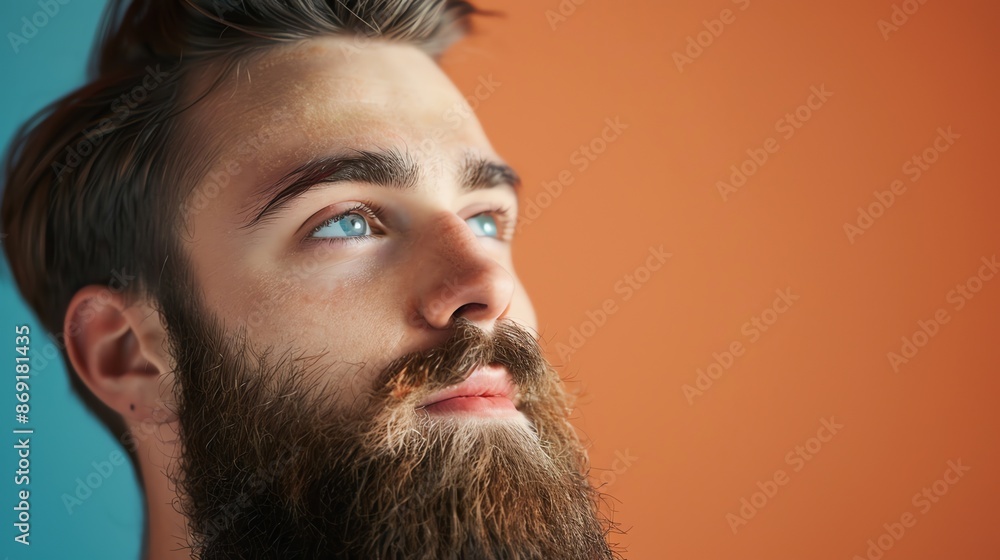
{"points": [[276, 244]]}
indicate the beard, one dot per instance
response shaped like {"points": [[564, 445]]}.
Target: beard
{"points": [[272, 466]]}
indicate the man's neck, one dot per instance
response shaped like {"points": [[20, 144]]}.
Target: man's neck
{"points": [[166, 528]]}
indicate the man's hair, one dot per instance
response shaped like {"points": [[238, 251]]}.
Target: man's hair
{"points": [[94, 182]]}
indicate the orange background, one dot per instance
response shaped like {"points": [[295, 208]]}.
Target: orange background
{"points": [[691, 462]]}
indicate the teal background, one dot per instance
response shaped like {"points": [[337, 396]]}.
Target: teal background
{"points": [[67, 439]]}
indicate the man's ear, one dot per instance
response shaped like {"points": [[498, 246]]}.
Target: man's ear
{"points": [[120, 353]]}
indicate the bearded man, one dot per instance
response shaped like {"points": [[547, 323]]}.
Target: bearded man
{"points": [[275, 243]]}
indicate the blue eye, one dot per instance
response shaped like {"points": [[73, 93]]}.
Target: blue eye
{"points": [[483, 225], [350, 224], [363, 222]]}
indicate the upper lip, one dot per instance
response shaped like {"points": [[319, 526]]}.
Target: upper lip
{"points": [[484, 381]]}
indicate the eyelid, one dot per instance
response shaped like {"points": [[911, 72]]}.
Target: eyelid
{"points": [[362, 208], [507, 223], [506, 218], [370, 209]]}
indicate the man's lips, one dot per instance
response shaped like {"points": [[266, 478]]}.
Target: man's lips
{"points": [[487, 391]]}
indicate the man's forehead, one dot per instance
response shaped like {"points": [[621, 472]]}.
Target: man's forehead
{"points": [[319, 75], [314, 97]]}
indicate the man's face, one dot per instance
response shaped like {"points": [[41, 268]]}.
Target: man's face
{"points": [[388, 277], [356, 371]]}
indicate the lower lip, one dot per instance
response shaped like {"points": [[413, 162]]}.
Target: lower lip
{"points": [[480, 406]]}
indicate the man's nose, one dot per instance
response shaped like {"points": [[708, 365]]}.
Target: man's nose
{"points": [[457, 277]]}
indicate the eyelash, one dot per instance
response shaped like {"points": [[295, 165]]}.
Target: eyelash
{"points": [[505, 225]]}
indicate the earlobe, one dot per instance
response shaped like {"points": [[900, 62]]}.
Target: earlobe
{"points": [[118, 351]]}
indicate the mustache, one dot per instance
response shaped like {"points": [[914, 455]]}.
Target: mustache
{"points": [[422, 372]]}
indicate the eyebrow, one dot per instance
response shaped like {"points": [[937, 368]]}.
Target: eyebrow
{"points": [[390, 168]]}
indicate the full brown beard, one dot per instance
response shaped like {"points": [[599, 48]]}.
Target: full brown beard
{"points": [[271, 468]]}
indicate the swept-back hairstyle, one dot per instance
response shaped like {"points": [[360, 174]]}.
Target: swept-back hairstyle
{"points": [[93, 183]]}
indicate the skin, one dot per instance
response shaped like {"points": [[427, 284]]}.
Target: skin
{"points": [[355, 307]]}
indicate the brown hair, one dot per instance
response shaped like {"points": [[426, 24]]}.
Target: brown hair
{"points": [[94, 182]]}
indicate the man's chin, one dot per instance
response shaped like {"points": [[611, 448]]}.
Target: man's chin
{"points": [[415, 485], [405, 474]]}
